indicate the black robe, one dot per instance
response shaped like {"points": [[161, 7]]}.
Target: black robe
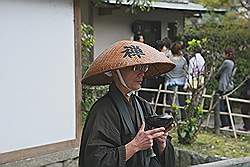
{"points": [[111, 124]]}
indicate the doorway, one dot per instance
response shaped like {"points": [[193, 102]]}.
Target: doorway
{"points": [[172, 31], [151, 30]]}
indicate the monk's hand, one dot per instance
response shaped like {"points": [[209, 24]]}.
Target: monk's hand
{"points": [[162, 140], [144, 139]]}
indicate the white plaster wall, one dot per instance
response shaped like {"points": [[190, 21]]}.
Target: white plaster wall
{"points": [[115, 27], [37, 73]]}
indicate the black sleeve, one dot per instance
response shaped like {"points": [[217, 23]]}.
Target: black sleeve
{"points": [[101, 144]]}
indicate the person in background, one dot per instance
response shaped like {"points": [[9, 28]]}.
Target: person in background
{"points": [[167, 44], [139, 37], [225, 77], [196, 69], [115, 134], [245, 107], [160, 46], [177, 78]]}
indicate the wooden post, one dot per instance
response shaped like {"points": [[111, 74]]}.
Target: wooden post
{"points": [[202, 96], [217, 116], [231, 117], [164, 100], [157, 97], [210, 108], [178, 112], [175, 95]]}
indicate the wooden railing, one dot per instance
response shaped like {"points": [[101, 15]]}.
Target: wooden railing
{"points": [[211, 107]]}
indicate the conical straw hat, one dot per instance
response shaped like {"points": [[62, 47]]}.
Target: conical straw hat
{"points": [[124, 54]]}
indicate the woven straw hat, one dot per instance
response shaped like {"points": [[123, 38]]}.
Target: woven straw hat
{"points": [[124, 54]]}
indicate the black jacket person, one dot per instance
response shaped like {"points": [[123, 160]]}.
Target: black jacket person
{"points": [[115, 134]]}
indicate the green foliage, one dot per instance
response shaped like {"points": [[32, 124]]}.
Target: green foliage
{"points": [[89, 94], [141, 5], [187, 129], [214, 3], [220, 32], [175, 107], [87, 43], [222, 145], [136, 5], [195, 45], [87, 39]]}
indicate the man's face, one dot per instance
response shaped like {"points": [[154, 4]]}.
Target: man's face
{"points": [[225, 55], [164, 49], [133, 76], [141, 39]]}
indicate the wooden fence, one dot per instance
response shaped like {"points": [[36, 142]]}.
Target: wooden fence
{"points": [[211, 107]]}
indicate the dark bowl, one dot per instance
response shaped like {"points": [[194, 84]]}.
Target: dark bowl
{"points": [[156, 121]]}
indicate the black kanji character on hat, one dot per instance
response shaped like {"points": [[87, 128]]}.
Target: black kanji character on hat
{"points": [[132, 50]]}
